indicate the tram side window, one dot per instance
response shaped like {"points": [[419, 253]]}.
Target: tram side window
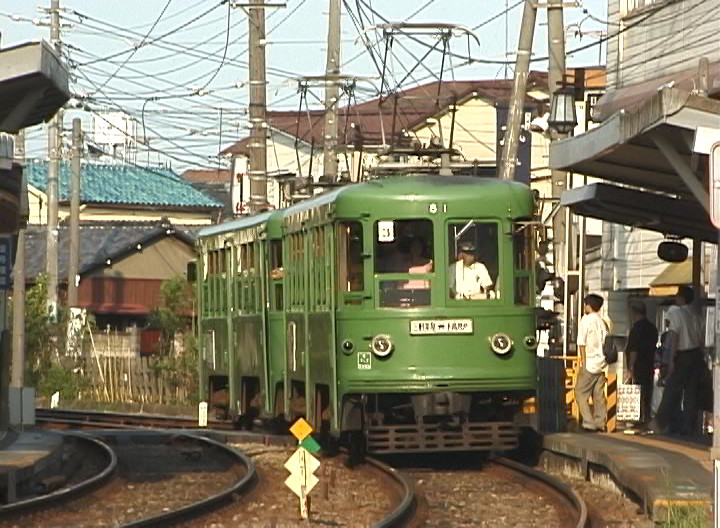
{"points": [[350, 257], [277, 272], [523, 262], [473, 260]]}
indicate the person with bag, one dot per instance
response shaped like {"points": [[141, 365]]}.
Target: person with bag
{"points": [[640, 355], [592, 345]]}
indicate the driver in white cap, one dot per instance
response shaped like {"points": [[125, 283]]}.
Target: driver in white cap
{"points": [[469, 279]]}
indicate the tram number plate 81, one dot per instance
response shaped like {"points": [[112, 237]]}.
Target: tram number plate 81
{"points": [[441, 326]]}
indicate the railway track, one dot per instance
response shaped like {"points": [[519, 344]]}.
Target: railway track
{"points": [[388, 481], [152, 479], [495, 492]]}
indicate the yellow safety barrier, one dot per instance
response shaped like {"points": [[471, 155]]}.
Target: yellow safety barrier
{"points": [[571, 372]]}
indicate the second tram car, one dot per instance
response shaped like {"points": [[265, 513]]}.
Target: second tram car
{"points": [[397, 312]]}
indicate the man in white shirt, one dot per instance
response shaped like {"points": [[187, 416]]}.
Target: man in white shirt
{"points": [[591, 375], [469, 279], [685, 368]]}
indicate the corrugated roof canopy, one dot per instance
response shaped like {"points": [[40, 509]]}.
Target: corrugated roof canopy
{"points": [[671, 216], [33, 85]]}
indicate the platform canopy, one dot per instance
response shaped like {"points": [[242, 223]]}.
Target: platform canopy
{"points": [[33, 85], [660, 144], [681, 217]]}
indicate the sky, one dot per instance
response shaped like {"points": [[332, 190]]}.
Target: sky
{"points": [[180, 66]]}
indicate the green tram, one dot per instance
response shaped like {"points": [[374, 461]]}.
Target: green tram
{"points": [[397, 312]]}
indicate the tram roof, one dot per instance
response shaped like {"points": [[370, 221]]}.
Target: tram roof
{"points": [[234, 225], [410, 187]]}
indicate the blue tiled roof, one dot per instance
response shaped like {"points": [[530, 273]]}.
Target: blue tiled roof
{"points": [[123, 184]]}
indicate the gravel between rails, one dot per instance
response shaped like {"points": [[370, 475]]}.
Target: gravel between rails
{"points": [[355, 498], [150, 481], [456, 490]]}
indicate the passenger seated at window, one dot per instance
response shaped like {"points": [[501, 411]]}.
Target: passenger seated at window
{"points": [[469, 279], [415, 261]]}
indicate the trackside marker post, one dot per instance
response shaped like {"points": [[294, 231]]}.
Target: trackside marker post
{"points": [[202, 414], [302, 465]]}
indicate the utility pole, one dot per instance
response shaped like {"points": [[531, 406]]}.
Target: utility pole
{"points": [[17, 375], [562, 248], [508, 160], [332, 70], [74, 263], [54, 148], [257, 170]]}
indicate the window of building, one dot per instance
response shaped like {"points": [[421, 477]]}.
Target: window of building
{"points": [[473, 264], [350, 257]]}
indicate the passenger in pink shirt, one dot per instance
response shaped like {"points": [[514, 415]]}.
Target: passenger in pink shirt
{"points": [[416, 262]]}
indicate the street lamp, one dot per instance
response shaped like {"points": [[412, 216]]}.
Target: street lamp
{"points": [[562, 110]]}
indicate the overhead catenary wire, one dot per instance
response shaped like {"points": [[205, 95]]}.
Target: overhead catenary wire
{"points": [[142, 42]]}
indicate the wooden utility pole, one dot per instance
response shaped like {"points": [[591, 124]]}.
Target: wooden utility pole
{"points": [[511, 139], [17, 375], [74, 262], [332, 70], [54, 149], [257, 170]]}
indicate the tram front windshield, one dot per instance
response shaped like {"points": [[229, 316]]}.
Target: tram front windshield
{"points": [[404, 247]]}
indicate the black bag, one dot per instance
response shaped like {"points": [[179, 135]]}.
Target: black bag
{"points": [[610, 351]]}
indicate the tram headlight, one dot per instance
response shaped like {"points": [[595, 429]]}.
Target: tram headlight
{"points": [[501, 343], [348, 347], [531, 342], [381, 345]]}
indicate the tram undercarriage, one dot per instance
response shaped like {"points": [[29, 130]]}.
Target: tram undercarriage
{"points": [[440, 421]]}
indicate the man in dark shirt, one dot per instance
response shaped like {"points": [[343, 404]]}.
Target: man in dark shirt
{"points": [[640, 354]]}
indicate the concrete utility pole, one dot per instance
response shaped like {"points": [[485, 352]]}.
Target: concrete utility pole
{"points": [[562, 240], [257, 170], [74, 263], [508, 160], [17, 374], [556, 71], [54, 148], [332, 69]]}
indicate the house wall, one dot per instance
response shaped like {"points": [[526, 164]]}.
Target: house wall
{"points": [[162, 260], [110, 295], [671, 40]]}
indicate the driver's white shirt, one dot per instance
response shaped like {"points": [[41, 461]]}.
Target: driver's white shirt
{"points": [[469, 281]]}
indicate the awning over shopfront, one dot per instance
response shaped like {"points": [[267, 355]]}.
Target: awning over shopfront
{"points": [[671, 278], [33, 85], [657, 144], [682, 217]]}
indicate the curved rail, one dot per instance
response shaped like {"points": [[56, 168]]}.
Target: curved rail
{"points": [[241, 486], [404, 511], [72, 491], [555, 483]]}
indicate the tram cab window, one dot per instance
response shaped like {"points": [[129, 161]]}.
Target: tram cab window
{"points": [[404, 247], [473, 260], [350, 257], [523, 253]]}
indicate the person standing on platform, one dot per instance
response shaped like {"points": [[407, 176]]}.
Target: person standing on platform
{"points": [[591, 378], [686, 365], [640, 354]]}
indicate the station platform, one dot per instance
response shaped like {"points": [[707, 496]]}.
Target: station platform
{"points": [[23, 455], [662, 472]]}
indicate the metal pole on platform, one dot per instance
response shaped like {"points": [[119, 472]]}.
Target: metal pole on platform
{"points": [[714, 180]]}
